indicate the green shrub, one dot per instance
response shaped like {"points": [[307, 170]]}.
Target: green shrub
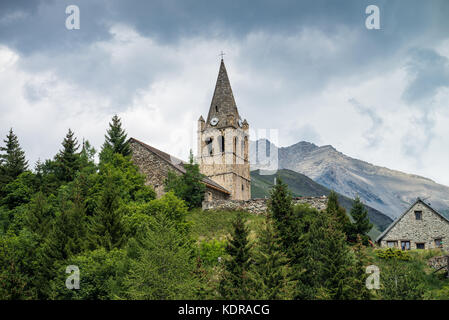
{"points": [[392, 253], [211, 250]]}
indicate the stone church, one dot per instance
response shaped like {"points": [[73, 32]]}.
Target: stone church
{"points": [[223, 148]]}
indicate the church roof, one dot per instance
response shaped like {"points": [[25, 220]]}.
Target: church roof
{"points": [[223, 102], [418, 200], [178, 164]]}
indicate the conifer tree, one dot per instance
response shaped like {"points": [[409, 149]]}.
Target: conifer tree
{"points": [[271, 271], [38, 215], [67, 160], [189, 186], [194, 187], [236, 282], [334, 208], [281, 209], [116, 138], [106, 227], [361, 262], [12, 159], [328, 263], [361, 225]]}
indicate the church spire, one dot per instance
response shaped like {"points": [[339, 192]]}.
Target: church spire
{"points": [[223, 106]]}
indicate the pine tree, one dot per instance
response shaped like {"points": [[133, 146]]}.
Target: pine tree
{"points": [[285, 222], [106, 227], [189, 186], [67, 160], [236, 282], [334, 208], [115, 139], [361, 225], [328, 263], [361, 292], [271, 271], [12, 161], [164, 267]]}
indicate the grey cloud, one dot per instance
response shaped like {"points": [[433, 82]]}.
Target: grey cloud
{"points": [[373, 134], [429, 71], [418, 139]]}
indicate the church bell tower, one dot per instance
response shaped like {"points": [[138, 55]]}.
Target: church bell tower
{"points": [[223, 142]]}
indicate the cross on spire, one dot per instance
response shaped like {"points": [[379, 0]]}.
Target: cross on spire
{"points": [[222, 54]]}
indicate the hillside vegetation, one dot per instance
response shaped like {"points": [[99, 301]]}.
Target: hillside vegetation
{"points": [[302, 186]]}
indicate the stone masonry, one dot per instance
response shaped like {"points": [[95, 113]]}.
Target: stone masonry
{"points": [[420, 226], [259, 206]]}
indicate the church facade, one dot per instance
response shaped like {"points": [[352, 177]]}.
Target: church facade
{"points": [[223, 150]]}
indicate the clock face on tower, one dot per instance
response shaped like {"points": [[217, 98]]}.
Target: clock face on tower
{"points": [[213, 121]]}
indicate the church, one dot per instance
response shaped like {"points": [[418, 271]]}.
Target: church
{"points": [[223, 150]]}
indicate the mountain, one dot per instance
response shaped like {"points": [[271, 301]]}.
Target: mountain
{"points": [[302, 186], [388, 191]]}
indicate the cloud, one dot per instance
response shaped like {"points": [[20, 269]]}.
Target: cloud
{"points": [[373, 134], [429, 72], [309, 69]]}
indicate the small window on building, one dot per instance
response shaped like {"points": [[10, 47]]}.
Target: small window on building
{"points": [[209, 146], [418, 215], [420, 246], [242, 187], [221, 141], [391, 244], [216, 108], [405, 245], [439, 243]]}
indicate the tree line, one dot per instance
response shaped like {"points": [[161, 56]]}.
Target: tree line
{"points": [[104, 219]]}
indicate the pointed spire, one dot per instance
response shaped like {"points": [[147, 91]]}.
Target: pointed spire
{"points": [[223, 106]]}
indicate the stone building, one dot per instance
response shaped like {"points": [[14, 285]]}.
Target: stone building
{"points": [[223, 146], [223, 150], [155, 165], [419, 227]]}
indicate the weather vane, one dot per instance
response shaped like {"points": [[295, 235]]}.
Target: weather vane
{"points": [[222, 54]]}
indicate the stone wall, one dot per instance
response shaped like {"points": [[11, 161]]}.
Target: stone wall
{"points": [[153, 167], [259, 206], [156, 171], [431, 227], [438, 262]]}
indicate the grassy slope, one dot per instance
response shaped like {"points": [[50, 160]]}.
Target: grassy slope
{"points": [[301, 185], [207, 225]]}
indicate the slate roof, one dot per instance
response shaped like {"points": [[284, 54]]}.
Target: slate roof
{"points": [[405, 212], [223, 102], [178, 164]]}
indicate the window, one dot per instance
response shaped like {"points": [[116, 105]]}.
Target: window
{"points": [[209, 146], [221, 141], [391, 244], [242, 187], [418, 215], [420, 246], [405, 245], [246, 148], [216, 108], [235, 144], [439, 243]]}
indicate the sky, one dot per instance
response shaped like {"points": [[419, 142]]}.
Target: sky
{"points": [[309, 69]]}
